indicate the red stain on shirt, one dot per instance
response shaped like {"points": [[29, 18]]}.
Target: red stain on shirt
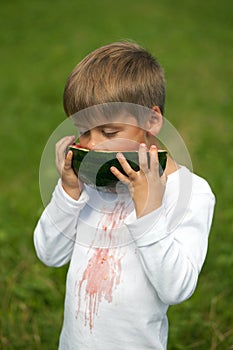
{"points": [[101, 275], [103, 272]]}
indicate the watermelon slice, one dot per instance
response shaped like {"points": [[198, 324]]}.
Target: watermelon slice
{"points": [[93, 167]]}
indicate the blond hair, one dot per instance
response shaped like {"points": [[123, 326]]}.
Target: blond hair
{"points": [[118, 72]]}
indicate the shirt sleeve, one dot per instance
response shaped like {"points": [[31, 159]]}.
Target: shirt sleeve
{"points": [[55, 233], [172, 259]]}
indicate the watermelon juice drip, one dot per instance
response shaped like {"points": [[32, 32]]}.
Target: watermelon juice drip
{"points": [[102, 275], [103, 272]]}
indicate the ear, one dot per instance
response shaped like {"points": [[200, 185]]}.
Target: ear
{"points": [[155, 121]]}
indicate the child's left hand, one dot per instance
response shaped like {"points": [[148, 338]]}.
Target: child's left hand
{"points": [[146, 186]]}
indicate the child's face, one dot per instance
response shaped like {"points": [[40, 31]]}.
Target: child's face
{"points": [[113, 136]]}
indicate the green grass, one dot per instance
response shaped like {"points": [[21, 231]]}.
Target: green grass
{"points": [[41, 41]]}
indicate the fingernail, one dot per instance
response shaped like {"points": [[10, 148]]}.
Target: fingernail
{"points": [[143, 146], [120, 155], [69, 154]]}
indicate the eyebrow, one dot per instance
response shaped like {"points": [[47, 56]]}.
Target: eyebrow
{"points": [[111, 125], [107, 125]]}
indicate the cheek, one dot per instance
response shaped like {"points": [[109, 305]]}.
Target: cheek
{"points": [[82, 142], [138, 136]]}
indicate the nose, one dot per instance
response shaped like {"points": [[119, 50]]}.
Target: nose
{"points": [[93, 140], [90, 145]]}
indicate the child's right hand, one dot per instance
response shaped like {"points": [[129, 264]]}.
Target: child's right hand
{"points": [[70, 182]]}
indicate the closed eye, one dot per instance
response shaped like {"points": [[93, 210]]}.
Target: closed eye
{"points": [[110, 133]]}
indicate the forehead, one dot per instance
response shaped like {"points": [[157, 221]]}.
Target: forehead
{"points": [[97, 120], [112, 113]]}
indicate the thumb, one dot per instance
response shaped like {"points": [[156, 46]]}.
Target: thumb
{"points": [[68, 161]]}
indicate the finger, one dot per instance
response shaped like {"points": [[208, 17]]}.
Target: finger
{"points": [[65, 142], [125, 165], [121, 177], [154, 160], [61, 147], [143, 157], [68, 161]]}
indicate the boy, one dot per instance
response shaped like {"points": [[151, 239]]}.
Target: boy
{"points": [[132, 253]]}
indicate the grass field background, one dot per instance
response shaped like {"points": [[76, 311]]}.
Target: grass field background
{"points": [[41, 42]]}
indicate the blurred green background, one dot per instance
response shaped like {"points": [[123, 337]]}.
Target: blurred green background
{"points": [[41, 42]]}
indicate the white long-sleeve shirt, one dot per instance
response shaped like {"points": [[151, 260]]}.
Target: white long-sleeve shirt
{"points": [[124, 272]]}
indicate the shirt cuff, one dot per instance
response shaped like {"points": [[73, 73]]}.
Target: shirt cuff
{"points": [[66, 203], [147, 229]]}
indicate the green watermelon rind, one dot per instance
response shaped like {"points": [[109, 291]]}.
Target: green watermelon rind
{"points": [[96, 168]]}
